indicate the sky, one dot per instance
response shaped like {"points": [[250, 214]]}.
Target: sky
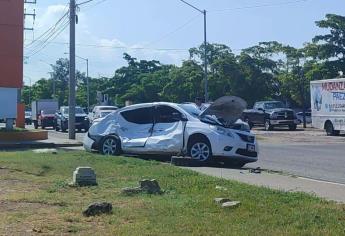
{"points": [[164, 30]]}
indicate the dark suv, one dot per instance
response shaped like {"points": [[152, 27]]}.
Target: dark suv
{"points": [[81, 119], [270, 114]]}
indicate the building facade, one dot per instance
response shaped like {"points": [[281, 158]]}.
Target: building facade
{"points": [[11, 56]]}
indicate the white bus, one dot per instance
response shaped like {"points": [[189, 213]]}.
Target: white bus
{"points": [[328, 105]]}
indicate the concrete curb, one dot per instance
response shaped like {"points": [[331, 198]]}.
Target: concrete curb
{"points": [[13, 146]]}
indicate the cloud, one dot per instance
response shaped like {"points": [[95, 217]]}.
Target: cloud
{"points": [[105, 54]]}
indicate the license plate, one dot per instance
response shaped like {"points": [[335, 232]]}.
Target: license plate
{"points": [[250, 148]]}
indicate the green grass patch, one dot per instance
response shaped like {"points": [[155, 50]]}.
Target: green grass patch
{"points": [[14, 130], [35, 197]]}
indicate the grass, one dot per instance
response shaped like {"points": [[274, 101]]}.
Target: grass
{"points": [[14, 130], [35, 198]]}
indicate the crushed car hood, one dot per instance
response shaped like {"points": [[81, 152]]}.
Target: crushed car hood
{"points": [[228, 109]]}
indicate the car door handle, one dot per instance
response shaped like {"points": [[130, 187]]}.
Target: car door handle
{"points": [[158, 130]]}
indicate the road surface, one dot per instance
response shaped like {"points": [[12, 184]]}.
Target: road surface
{"points": [[317, 161]]}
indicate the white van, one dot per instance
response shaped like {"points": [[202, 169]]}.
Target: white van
{"points": [[328, 105]]}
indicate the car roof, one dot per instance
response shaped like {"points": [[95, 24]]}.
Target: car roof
{"points": [[143, 105]]}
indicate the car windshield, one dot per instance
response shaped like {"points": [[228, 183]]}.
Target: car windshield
{"points": [[48, 112], [191, 109], [78, 110], [274, 105]]}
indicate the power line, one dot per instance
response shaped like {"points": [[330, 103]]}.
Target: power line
{"points": [[49, 30], [260, 6], [45, 42], [121, 47], [175, 30]]}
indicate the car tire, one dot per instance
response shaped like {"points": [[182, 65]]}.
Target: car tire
{"points": [[292, 127], [330, 129], [111, 146], [56, 127], [36, 124], [268, 126], [63, 127], [200, 149], [249, 123]]}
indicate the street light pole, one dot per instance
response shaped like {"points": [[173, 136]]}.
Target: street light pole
{"points": [[205, 47], [87, 85], [205, 59], [87, 79]]}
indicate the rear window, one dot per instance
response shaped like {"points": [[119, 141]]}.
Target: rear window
{"points": [[139, 116]]}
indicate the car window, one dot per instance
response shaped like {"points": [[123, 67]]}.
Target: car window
{"points": [[139, 116], [166, 114]]}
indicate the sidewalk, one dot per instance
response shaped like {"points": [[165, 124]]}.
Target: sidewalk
{"points": [[51, 142], [326, 190]]}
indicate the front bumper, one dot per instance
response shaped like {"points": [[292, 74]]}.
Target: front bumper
{"points": [[234, 149], [284, 122], [88, 143]]}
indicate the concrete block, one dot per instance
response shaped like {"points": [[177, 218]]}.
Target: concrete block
{"points": [[84, 176]]}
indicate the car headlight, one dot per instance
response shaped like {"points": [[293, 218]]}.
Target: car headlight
{"points": [[221, 130]]}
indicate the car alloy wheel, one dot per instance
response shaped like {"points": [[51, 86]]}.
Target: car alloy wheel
{"points": [[200, 151], [110, 146]]}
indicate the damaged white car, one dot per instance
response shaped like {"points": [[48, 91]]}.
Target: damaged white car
{"points": [[177, 129]]}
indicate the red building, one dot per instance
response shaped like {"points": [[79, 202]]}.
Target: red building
{"points": [[11, 52]]}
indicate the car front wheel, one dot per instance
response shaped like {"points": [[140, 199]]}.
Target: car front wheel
{"points": [[200, 149], [110, 146]]}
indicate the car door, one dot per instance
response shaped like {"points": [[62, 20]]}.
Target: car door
{"points": [[135, 127], [167, 133]]}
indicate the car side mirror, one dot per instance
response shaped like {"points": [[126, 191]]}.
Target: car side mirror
{"points": [[260, 109]]}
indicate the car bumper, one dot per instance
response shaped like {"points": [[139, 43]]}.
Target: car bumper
{"points": [[240, 151], [88, 143], [284, 122]]}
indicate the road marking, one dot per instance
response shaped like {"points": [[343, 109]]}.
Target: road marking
{"points": [[321, 181]]}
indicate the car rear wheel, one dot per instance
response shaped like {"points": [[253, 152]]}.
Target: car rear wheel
{"points": [[110, 146], [330, 129], [200, 149]]}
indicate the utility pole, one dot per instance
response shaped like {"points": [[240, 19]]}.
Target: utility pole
{"points": [[72, 83], [205, 47]]}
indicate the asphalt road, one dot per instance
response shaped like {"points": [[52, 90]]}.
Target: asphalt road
{"points": [[313, 160], [317, 161]]}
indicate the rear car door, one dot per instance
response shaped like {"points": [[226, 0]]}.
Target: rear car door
{"points": [[135, 127], [167, 134]]}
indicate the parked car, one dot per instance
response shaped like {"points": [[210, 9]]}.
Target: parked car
{"points": [[270, 114], [81, 119], [97, 111], [28, 118], [299, 116], [170, 129]]}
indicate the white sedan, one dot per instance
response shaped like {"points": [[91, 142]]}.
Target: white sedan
{"points": [[177, 129]]}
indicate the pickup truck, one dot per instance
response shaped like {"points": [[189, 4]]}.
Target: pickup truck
{"points": [[270, 114]]}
